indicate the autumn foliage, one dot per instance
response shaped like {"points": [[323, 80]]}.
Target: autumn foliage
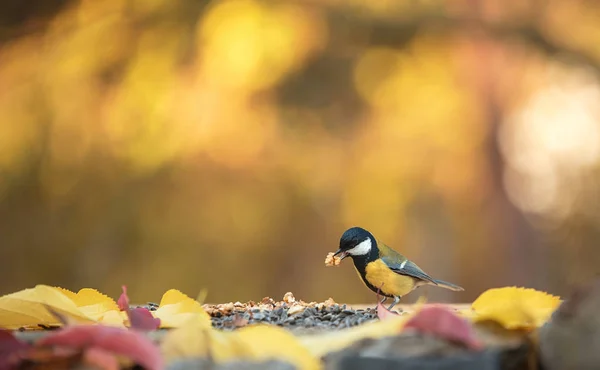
{"points": [[97, 331]]}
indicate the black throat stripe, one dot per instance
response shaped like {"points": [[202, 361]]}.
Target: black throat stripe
{"points": [[360, 263]]}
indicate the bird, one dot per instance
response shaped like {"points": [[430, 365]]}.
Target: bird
{"points": [[382, 269]]}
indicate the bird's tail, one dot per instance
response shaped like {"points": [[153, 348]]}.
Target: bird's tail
{"points": [[447, 285]]}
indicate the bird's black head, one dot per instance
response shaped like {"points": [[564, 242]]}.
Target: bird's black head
{"points": [[356, 242]]}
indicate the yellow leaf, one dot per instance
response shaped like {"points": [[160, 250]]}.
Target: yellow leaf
{"points": [[173, 296], [321, 344], [202, 296], [71, 295], [176, 308], [114, 318], [93, 303], [261, 342], [197, 338], [271, 342], [514, 308], [26, 308]]}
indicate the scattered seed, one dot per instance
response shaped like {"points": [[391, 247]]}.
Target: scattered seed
{"points": [[295, 310], [291, 313]]}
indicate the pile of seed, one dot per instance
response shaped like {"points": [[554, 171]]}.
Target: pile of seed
{"points": [[327, 318], [289, 313]]}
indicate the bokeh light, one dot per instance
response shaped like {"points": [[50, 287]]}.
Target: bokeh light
{"points": [[228, 144]]}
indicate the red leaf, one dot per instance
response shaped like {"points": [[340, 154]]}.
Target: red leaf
{"points": [[141, 319], [12, 350], [441, 322], [123, 300], [382, 312], [113, 340], [100, 359]]}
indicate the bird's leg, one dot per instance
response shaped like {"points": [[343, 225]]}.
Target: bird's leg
{"points": [[396, 300], [383, 299]]}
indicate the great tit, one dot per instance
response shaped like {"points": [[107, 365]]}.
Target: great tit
{"points": [[382, 269]]}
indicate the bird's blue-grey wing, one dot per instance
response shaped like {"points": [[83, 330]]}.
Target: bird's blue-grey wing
{"points": [[407, 268]]}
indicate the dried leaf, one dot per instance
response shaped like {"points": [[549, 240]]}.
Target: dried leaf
{"points": [[258, 342], [176, 308], [91, 302], [382, 312], [27, 308], [441, 322], [271, 342], [96, 306], [321, 344], [115, 318], [117, 341], [63, 319], [99, 358], [514, 308], [141, 319], [12, 350], [201, 298], [123, 301], [197, 338]]}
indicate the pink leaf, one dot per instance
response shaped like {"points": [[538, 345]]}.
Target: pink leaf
{"points": [[123, 300], [100, 359], [382, 312], [12, 350], [441, 322], [113, 340], [141, 319]]}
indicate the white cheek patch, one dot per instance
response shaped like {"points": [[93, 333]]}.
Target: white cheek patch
{"points": [[361, 249]]}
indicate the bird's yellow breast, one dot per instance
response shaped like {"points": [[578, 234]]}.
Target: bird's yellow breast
{"points": [[378, 274]]}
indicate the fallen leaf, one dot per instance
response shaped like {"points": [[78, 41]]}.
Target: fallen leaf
{"points": [[138, 318], [12, 350], [321, 344], [123, 301], [115, 318], [514, 308], [116, 341], [267, 342], [91, 302], [197, 338], [441, 322], [141, 319], [63, 319], [258, 342], [99, 358], [382, 312], [174, 296], [201, 298], [176, 308], [27, 308], [96, 306]]}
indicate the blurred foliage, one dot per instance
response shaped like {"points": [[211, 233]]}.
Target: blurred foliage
{"points": [[228, 144]]}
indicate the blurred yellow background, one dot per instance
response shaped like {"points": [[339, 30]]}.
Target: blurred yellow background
{"points": [[227, 145]]}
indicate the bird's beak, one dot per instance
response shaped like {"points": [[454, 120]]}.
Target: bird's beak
{"points": [[342, 254]]}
